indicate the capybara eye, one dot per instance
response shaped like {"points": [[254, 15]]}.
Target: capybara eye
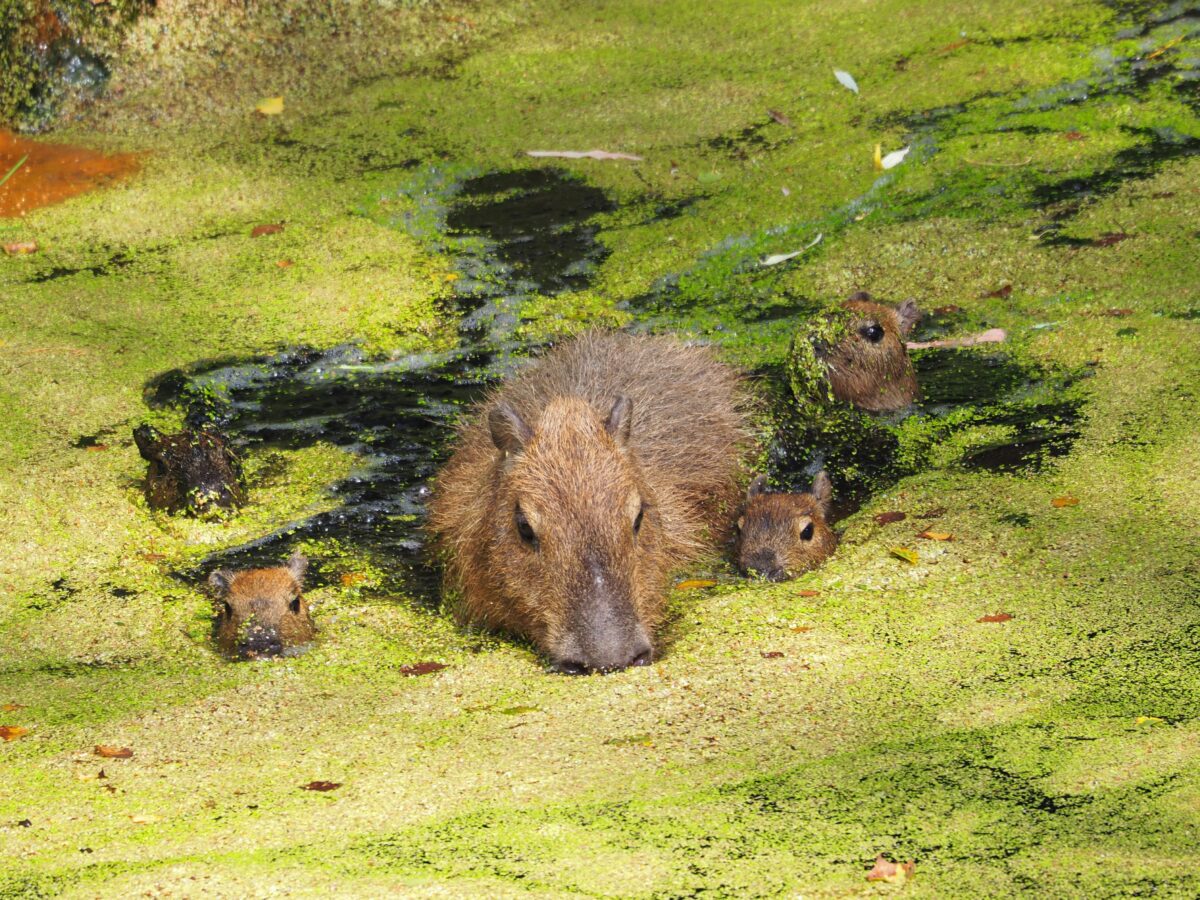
{"points": [[294, 606], [637, 523], [807, 533], [872, 332], [524, 529]]}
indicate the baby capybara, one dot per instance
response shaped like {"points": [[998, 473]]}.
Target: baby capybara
{"points": [[195, 471], [262, 612], [868, 365], [782, 535], [581, 484]]}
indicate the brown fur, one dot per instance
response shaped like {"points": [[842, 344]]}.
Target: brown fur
{"points": [[876, 376], [782, 535], [262, 612], [607, 428], [195, 470]]}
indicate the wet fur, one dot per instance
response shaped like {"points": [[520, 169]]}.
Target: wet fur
{"points": [[874, 377], [770, 541], [194, 470], [262, 612], [680, 450]]}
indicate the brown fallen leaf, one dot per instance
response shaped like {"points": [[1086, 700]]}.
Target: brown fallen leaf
{"points": [[893, 873], [12, 707], [693, 584], [153, 557], [20, 248], [422, 668], [12, 732], [1109, 238], [801, 629], [350, 579], [995, 617], [1001, 293], [779, 117], [1073, 136], [1064, 501], [947, 310], [936, 536], [935, 513], [887, 518], [321, 786], [771, 654], [1117, 313], [260, 230], [956, 45], [285, 264], [96, 448], [110, 752], [807, 593]]}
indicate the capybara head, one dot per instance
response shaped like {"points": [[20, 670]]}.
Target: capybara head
{"points": [[867, 364], [575, 535], [195, 470], [262, 612], [782, 535]]}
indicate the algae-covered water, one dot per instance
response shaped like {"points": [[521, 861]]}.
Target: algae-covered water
{"points": [[1015, 712]]}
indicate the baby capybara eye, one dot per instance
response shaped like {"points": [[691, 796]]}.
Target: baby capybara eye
{"points": [[872, 332], [782, 535], [807, 533], [262, 612]]}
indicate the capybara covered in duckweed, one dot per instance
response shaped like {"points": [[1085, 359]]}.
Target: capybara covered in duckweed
{"points": [[783, 535], [262, 612], [580, 484], [194, 471], [857, 355]]}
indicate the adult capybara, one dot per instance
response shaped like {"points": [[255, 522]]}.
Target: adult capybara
{"points": [[581, 484], [195, 470], [865, 359], [782, 535], [262, 612]]}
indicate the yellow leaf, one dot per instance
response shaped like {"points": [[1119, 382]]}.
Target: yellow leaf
{"points": [[1148, 720], [694, 584], [145, 819], [936, 536], [12, 732], [269, 106], [909, 556], [1061, 502], [878, 157]]}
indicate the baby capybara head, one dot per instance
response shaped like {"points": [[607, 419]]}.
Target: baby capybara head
{"points": [[195, 470], [866, 363], [262, 612], [575, 535], [782, 535]]}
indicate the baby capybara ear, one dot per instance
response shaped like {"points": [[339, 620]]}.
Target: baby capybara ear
{"points": [[757, 486], [149, 443], [509, 431], [908, 315], [297, 564], [221, 581], [822, 490], [620, 420]]}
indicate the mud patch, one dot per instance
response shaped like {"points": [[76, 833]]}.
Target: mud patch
{"points": [[45, 173]]}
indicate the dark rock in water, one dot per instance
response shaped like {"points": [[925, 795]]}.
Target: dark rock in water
{"points": [[194, 471]]}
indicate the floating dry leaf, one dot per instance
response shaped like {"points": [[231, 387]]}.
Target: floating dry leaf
{"points": [[633, 740], [1148, 720], [991, 336], [1117, 313], [887, 518], [693, 584], [1155, 54], [321, 786], [350, 579], [519, 710], [12, 707], [995, 617], [110, 752], [771, 654], [909, 556], [879, 157], [145, 819], [947, 310], [808, 593], [1073, 135], [285, 264], [801, 629], [580, 154], [269, 106], [422, 668], [776, 258], [21, 248], [846, 79], [893, 873], [12, 732], [779, 117], [1001, 293], [936, 536], [935, 513], [1064, 501], [1109, 238], [260, 230]]}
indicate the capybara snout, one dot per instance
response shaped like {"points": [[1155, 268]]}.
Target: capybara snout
{"points": [[581, 484]]}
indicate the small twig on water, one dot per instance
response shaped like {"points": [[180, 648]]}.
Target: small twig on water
{"points": [[13, 170]]}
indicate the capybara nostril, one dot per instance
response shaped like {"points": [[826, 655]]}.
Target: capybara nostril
{"points": [[642, 659], [569, 667]]}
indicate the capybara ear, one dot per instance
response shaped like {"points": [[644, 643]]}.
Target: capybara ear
{"points": [[297, 564], [860, 295], [149, 443], [757, 486], [822, 490], [221, 581], [908, 315], [509, 431], [620, 420]]}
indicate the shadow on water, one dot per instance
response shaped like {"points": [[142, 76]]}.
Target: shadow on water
{"points": [[521, 232]]}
